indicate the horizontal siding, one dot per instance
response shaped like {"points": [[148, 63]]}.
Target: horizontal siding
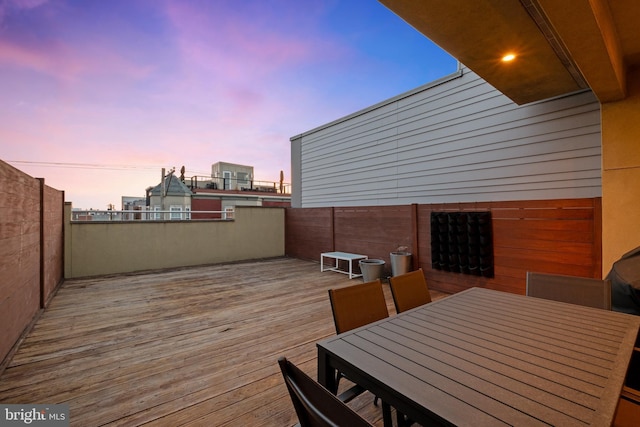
{"points": [[458, 141]]}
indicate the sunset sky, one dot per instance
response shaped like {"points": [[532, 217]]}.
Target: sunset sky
{"points": [[96, 96]]}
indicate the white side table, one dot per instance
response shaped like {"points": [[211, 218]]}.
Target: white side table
{"points": [[337, 256]]}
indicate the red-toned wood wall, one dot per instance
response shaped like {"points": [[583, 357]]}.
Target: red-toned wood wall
{"points": [[556, 236]]}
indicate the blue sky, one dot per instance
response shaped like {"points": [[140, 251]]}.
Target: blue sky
{"points": [[98, 96]]}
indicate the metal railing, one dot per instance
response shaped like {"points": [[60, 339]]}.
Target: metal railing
{"points": [[149, 215], [205, 182]]}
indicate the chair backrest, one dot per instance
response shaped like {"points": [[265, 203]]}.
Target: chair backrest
{"points": [[358, 305], [314, 404], [409, 290], [576, 290]]}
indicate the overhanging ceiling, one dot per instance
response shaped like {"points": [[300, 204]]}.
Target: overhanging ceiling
{"points": [[560, 46]]}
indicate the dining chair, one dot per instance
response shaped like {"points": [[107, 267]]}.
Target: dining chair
{"points": [[314, 404], [409, 290], [357, 305], [352, 307], [572, 289]]}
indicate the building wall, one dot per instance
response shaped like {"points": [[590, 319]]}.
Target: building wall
{"points": [[99, 248], [621, 174], [165, 203], [456, 144], [456, 140], [31, 252], [206, 204], [296, 171], [217, 170], [275, 203]]}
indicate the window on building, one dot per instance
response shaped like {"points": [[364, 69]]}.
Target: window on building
{"points": [[176, 212], [228, 212], [243, 178]]}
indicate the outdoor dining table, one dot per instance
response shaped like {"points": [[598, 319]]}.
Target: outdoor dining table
{"points": [[488, 358]]}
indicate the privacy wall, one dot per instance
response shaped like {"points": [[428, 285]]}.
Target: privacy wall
{"points": [[31, 251], [555, 236], [100, 248]]}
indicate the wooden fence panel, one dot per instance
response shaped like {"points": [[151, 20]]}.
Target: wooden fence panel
{"points": [[19, 255], [554, 236], [31, 253], [52, 242], [308, 232]]}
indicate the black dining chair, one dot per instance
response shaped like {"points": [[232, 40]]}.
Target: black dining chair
{"points": [[314, 404]]}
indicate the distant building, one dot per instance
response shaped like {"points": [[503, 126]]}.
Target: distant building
{"points": [[233, 185], [230, 185], [170, 200], [94, 215], [232, 176], [129, 203]]}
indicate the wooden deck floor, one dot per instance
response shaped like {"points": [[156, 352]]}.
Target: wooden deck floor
{"points": [[188, 347]]}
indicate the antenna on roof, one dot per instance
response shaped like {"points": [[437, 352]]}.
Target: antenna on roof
{"points": [[164, 185], [281, 181]]}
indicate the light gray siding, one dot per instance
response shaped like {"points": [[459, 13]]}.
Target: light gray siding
{"points": [[456, 140]]}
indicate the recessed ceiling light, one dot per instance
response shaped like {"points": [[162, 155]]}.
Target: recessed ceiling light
{"points": [[509, 57]]}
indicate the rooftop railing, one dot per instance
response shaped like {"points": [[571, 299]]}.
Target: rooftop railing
{"points": [[208, 183], [149, 215]]}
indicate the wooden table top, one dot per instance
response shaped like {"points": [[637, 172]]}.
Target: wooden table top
{"points": [[483, 357]]}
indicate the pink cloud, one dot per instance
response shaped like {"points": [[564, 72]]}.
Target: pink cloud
{"points": [[66, 63], [244, 44]]}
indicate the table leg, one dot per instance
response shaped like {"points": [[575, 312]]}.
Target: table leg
{"points": [[326, 374], [386, 415]]}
